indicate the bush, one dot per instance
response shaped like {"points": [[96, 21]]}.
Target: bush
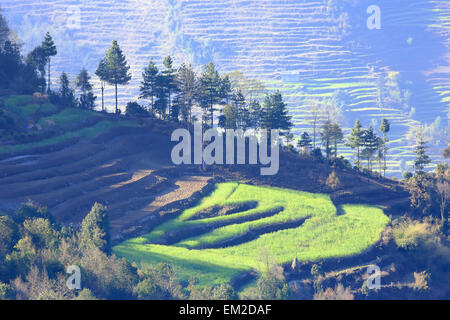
{"points": [[316, 154], [6, 292], [410, 234], [407, 175], [333, 181], [135, 109], [339, 293]]}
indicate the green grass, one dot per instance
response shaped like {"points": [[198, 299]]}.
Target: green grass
{"points": [[85, 133], [66, 116], [23, 106], [323, 235]]}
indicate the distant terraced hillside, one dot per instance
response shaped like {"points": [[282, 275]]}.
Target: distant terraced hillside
{"points": [[311, 50]]}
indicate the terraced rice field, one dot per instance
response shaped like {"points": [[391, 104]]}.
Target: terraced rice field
{"points": [[222, 236]]}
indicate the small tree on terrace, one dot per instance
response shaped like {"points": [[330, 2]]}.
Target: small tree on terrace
{"points": [[87, 98], [117, 69], [422, 159], [148, 83], [95, 228], [67, 98], [385, 127], [355, 141], [169, 82], [101, 73], [49, 48], [337, 137], [212, 91], [370, 144], [188, 89], [305, 141], [275, 113]]}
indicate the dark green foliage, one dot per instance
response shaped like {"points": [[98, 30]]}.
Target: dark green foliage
{"points": [[87, 98], [135, 109], [275, 113], [95, 229], [422, 159], [49, 48], [326, 136], [256, 114], [317, 154], [384, 128], [370, 146], [168, 77], [101, 73], [116, 69], [147, 289], [213, 90], [37, 60], [66, 96], [148, 83], [8, 235], [42, 233], [219, 292], [305, 141], [355, 141], [188, 89], [30, 210]]}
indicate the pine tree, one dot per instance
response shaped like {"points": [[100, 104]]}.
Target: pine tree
{"points": [[275, 113], [256, 114], [326, 135], [370, 145], [337, 137], [148, 83], [102, 75], [95, 229], [162, 97], [49, 50], [305, 141], [355, 141], [87, 98], [188, 88], [117, 69], [422, 159], [37, 59], [212, 91], [66, 95], [385, 127], [169, 81]]}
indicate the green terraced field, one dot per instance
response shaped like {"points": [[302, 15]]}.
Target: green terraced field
{"points": [[288, 223], [53, 117]]}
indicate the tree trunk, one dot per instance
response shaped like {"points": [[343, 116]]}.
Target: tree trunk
{"points": [[48, 84], [314, 134], [103, 101], [117, 109], [358, 157]]}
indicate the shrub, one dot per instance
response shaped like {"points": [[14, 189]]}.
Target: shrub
{"points": [[339, 293], [316, 154], [333, 181], [410, 234], [421, 280], [6, 292], [135, 109], [407, 175]]}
